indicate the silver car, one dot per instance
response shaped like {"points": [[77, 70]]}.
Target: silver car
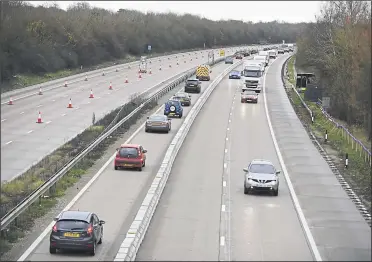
{"points": [[158, 123], [261, 175]]}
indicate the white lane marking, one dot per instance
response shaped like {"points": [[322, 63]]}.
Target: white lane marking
{"points": [[224, 183], [29, 132], [21, 113], [223, 208], [227, 137], [295, 200], [39, 106], [222, 241], [63, 114], [48, 122], [53, 100], [9, 142], [98, 97], [2, 120], [224, 165], [76, 108], [228, 128], [225, 150], [76, 198]]}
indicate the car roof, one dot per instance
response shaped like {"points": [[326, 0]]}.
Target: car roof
{"points": [[73, 214], [158, 115], [173, 100], [261, 161], [192, 79], [130, 145]]}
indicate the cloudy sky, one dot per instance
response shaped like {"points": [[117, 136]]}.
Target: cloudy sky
{"points": [[289, 11]]}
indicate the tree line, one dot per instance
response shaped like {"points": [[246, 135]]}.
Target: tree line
{"points": [[338, 47], [38, 40]]}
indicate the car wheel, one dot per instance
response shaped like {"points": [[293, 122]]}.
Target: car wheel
{"points": [[101, 239], [140, 168], [246, 190], [52, 250], [242, 101], [276, 192], [93, 251], [144, 163], [167, 131], [180, 116], [146, 130], [116, 168]]}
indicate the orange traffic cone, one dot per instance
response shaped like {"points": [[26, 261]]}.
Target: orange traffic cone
{"points": [[150, 72], [139, 75], [86, 77], [39, 121], [10, 101], [91, 94], [126, 80], [110, 87], [69, 104], [40, 92], [65, 83]]}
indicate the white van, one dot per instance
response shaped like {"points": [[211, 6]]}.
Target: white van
{"points": [[272, 54], [265, 59], [263, 53]]}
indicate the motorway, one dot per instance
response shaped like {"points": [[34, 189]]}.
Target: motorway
{"points": [[118, 205], [21, 133], [204, 215]]}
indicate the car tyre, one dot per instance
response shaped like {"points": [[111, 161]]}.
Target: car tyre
{"points": [[146, 130], [140, 168], [276, 192], [101, 240], [246, 190], [180, 116], [242, 101], [116, 168], [144, 163], [93, 251], [52, 250]]}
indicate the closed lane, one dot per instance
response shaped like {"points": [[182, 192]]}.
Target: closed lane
{"points": [[116, 195]]}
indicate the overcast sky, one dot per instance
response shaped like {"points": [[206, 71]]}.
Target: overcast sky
{"points": [[255, 11]]}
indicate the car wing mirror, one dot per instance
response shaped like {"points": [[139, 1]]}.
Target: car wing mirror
{"points": [[101, 222], [277, 172], [245, 169], [117, 149], [144, 151]]}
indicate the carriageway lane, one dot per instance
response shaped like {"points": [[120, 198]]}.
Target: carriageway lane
{"points": [[194, 221], [185, 226], [21, 133], [117, 194], [339, 230]]}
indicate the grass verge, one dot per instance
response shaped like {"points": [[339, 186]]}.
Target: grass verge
{"points": [[24, 80], [358, 174], [16, 190]]}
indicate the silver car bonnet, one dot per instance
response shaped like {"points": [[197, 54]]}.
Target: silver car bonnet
{"points": [[261, 176]]}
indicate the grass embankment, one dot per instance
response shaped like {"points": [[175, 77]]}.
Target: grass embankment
{"points": [[24, 80], [358, 174], [16, 190]]}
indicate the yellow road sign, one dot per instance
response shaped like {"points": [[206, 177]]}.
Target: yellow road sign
{"points": [[222, 52]]}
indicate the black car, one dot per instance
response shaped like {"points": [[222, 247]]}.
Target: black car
{"points": [[192, 86], [76, 230]]}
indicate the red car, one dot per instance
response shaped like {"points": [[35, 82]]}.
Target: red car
{"points": [[130, 156], [249, 97]]}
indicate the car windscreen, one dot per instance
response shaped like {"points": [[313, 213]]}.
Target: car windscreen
{"points": [[235, 72], [262, 169], [195, 82], [157, 118], [249, 92], [128, 151], [72, 225], [252, 73]]}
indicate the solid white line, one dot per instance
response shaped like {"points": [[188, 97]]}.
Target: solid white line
{"points": [[77, 197], [296, 203], [39, 105], [63, 114], [30, 131], [48, 122], [225, 150], [223, 208], [224, 165], [222, 241], [224, 183], [7, 143]]}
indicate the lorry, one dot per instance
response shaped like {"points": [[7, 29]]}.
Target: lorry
{"points": [[262, 58], [203, 73], [252, 77], [272, 54]]}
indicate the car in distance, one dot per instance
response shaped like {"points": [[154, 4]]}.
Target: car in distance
{"points": [[76, 230], [280, 51], [158, 123], [249, 96], [183, 97], [261, 175], [131, 156], [238, 56], [193, 86], [173, 108], [234, 75], [229, 60]]}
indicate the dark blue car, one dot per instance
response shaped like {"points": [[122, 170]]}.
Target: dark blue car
{"points": [[173, 108], [234, 75]]}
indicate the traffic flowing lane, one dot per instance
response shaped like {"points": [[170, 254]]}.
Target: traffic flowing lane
{"points": [[21, 133], [117, 194], [203, 213]]}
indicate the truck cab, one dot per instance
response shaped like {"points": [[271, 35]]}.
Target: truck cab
{"points": [[252, 77]]}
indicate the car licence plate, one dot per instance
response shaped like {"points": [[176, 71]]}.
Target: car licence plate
{"points": [[128, 165], [263, 185], [69, 234], [171, 114]]}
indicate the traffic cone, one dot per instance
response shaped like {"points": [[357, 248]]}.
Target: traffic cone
{"points": [[70, 104], [39, 120], [160, 68], [126, 80], [65, 83], [110, 87], [150, 72], [10, 101], [91, 94], [40, 92], [86, 77], [139, 76]]}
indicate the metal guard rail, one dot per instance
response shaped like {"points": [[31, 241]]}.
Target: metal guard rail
{"points": [[30, 199]]}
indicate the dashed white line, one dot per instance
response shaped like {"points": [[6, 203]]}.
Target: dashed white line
{"points": [[224, 183], [39, 105], [30, 131], [227, 138], [222, 241], [76, 108], [53, 100], [48, 122], [7, 143], [225, 150], [224, 165], [223, 208], [2, 120], [228, 128], [21, 113], [63, 114], [98, 97]]}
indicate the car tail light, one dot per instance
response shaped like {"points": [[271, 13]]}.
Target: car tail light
{"points": [[54, 228], [90, 230]]}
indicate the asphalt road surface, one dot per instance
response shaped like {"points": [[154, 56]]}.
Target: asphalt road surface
{"points": [[203, 213], [24, 142], [117, 194]]}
